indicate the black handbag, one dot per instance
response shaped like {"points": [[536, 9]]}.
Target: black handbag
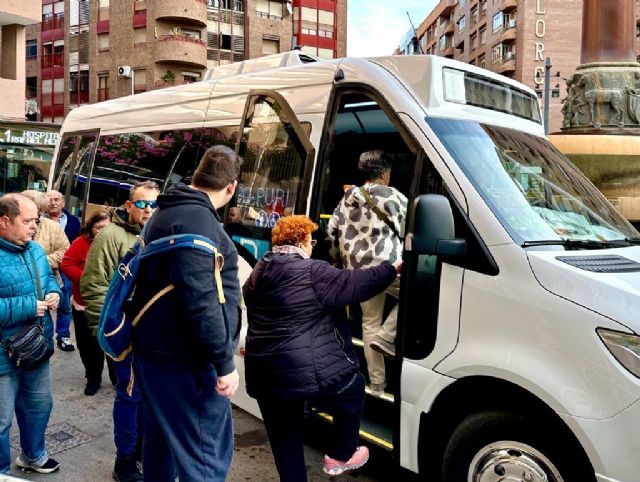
{"points": [[28, 347]]}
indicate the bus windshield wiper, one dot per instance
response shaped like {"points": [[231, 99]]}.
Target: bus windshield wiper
{"points": [[580, 243]]}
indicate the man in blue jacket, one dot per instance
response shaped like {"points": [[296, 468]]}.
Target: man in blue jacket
{"points": [[184, 344], [27, 392]]}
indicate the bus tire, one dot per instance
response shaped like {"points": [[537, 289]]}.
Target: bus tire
{"points": [[490, 445]]}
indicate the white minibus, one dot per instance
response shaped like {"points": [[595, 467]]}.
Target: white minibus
{"points": [[518, 347]]}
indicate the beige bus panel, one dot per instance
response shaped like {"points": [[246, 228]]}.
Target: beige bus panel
{"points": [[305, 88], [183, 106]]}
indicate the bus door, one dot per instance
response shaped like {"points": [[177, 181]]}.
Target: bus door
{"points": [[72, 169], [275, 176], [360, 121]]}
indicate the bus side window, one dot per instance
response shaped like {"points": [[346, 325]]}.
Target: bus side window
{"points": [[125, 159], [73, 166]]}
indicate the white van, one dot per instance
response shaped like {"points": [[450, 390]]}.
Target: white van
{"points": [[518, 355]]}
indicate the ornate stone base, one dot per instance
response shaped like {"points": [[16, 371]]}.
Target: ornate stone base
{"points": [[603, 95]]}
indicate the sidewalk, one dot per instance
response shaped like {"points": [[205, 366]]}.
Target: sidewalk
{"points": [[80, 436]]}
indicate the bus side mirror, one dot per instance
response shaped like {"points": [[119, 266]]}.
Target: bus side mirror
{"points": [[432, 231]]}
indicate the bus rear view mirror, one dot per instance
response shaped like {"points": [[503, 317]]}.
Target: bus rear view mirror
{"points": [[432, 231]]}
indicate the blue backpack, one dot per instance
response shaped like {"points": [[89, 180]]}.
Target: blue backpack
{"points": [[115, 324]]}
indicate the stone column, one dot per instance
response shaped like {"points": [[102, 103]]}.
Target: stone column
{"points": [[608, 31]]}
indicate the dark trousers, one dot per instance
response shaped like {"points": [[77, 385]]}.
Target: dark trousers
{"points": [[188, 426], [284, 421], [128, 413], [91, 354]]}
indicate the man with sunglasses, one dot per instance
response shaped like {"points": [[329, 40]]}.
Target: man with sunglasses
{"points": [[102, 261]]}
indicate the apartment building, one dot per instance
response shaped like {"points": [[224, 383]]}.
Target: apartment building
{"points": [[511, 37], [89, 51], [15, 15]]}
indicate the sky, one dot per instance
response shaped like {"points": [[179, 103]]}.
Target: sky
{"points": [[375, 27]]}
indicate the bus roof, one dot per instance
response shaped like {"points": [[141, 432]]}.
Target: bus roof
{"points": [[186, 105]]}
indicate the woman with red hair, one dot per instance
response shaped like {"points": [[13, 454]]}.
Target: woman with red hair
{"points": [[295, 353]]}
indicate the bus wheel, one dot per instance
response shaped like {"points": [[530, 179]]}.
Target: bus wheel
{"points": [[497, 446]]}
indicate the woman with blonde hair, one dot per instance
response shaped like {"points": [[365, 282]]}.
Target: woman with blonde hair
{"points": [[294, 352]]}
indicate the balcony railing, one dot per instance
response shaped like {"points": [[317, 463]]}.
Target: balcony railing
{"points": [[103, 94], [181, 38], [52, 22], [268, 15], [53, 60], [79, 97]]}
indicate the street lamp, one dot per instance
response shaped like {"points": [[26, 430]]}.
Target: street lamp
{"points": [[547, 81]]}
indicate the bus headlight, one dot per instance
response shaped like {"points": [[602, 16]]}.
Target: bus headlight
{"points": [[625, 347]]}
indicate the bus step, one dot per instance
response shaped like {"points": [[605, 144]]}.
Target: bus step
{"points": [[387, 397], [370, 431]]}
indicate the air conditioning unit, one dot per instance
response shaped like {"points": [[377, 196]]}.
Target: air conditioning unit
{"points": [[124, 71], [512, 23]]}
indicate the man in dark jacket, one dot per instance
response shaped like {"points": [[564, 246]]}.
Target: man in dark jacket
{"points": [[184, 344]]}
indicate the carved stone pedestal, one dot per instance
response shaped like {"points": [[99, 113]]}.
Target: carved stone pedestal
{"points": [[603, 95]]}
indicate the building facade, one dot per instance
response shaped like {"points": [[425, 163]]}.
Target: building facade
{"points": [[15, 15], [511, 37], [89, 51]]}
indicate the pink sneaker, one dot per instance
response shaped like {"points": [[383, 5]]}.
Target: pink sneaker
{"points": [[357, 460]]}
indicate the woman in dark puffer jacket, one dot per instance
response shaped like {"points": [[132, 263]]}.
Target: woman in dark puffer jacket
{"points": [[294, 352]]}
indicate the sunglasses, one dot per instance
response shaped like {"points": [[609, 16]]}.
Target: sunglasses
{"points": [[314, 242], [143, 204]]}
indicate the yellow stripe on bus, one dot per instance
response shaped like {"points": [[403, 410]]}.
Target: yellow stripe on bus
{"points": [[365, 435]]}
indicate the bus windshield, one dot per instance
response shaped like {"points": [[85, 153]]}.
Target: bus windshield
{"points": [[534, 191]]}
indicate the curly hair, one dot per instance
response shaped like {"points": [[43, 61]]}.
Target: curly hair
{"points": [[292, 230]]}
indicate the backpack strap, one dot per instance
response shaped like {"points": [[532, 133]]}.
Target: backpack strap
{"points": [[383, 217], [193, 241]]}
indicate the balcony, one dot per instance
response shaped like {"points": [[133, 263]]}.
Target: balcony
{"points": [[182, 50], [508, 5], [508, 65], [509, 34], [447, 28], [447, 7], [447, 51], [183, 11]]}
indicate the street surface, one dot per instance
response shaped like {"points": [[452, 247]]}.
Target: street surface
{"points": [[80, 437]]}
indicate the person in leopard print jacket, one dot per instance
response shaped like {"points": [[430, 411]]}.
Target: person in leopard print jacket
{"points": [[366, 229]]}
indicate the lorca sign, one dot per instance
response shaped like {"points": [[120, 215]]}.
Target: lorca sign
{"points": [[18, 136]]}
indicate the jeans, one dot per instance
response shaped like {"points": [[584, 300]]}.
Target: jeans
{"points": [[284, 421], [188, 426], [28, 392], [63, 315], [127, 410]]}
